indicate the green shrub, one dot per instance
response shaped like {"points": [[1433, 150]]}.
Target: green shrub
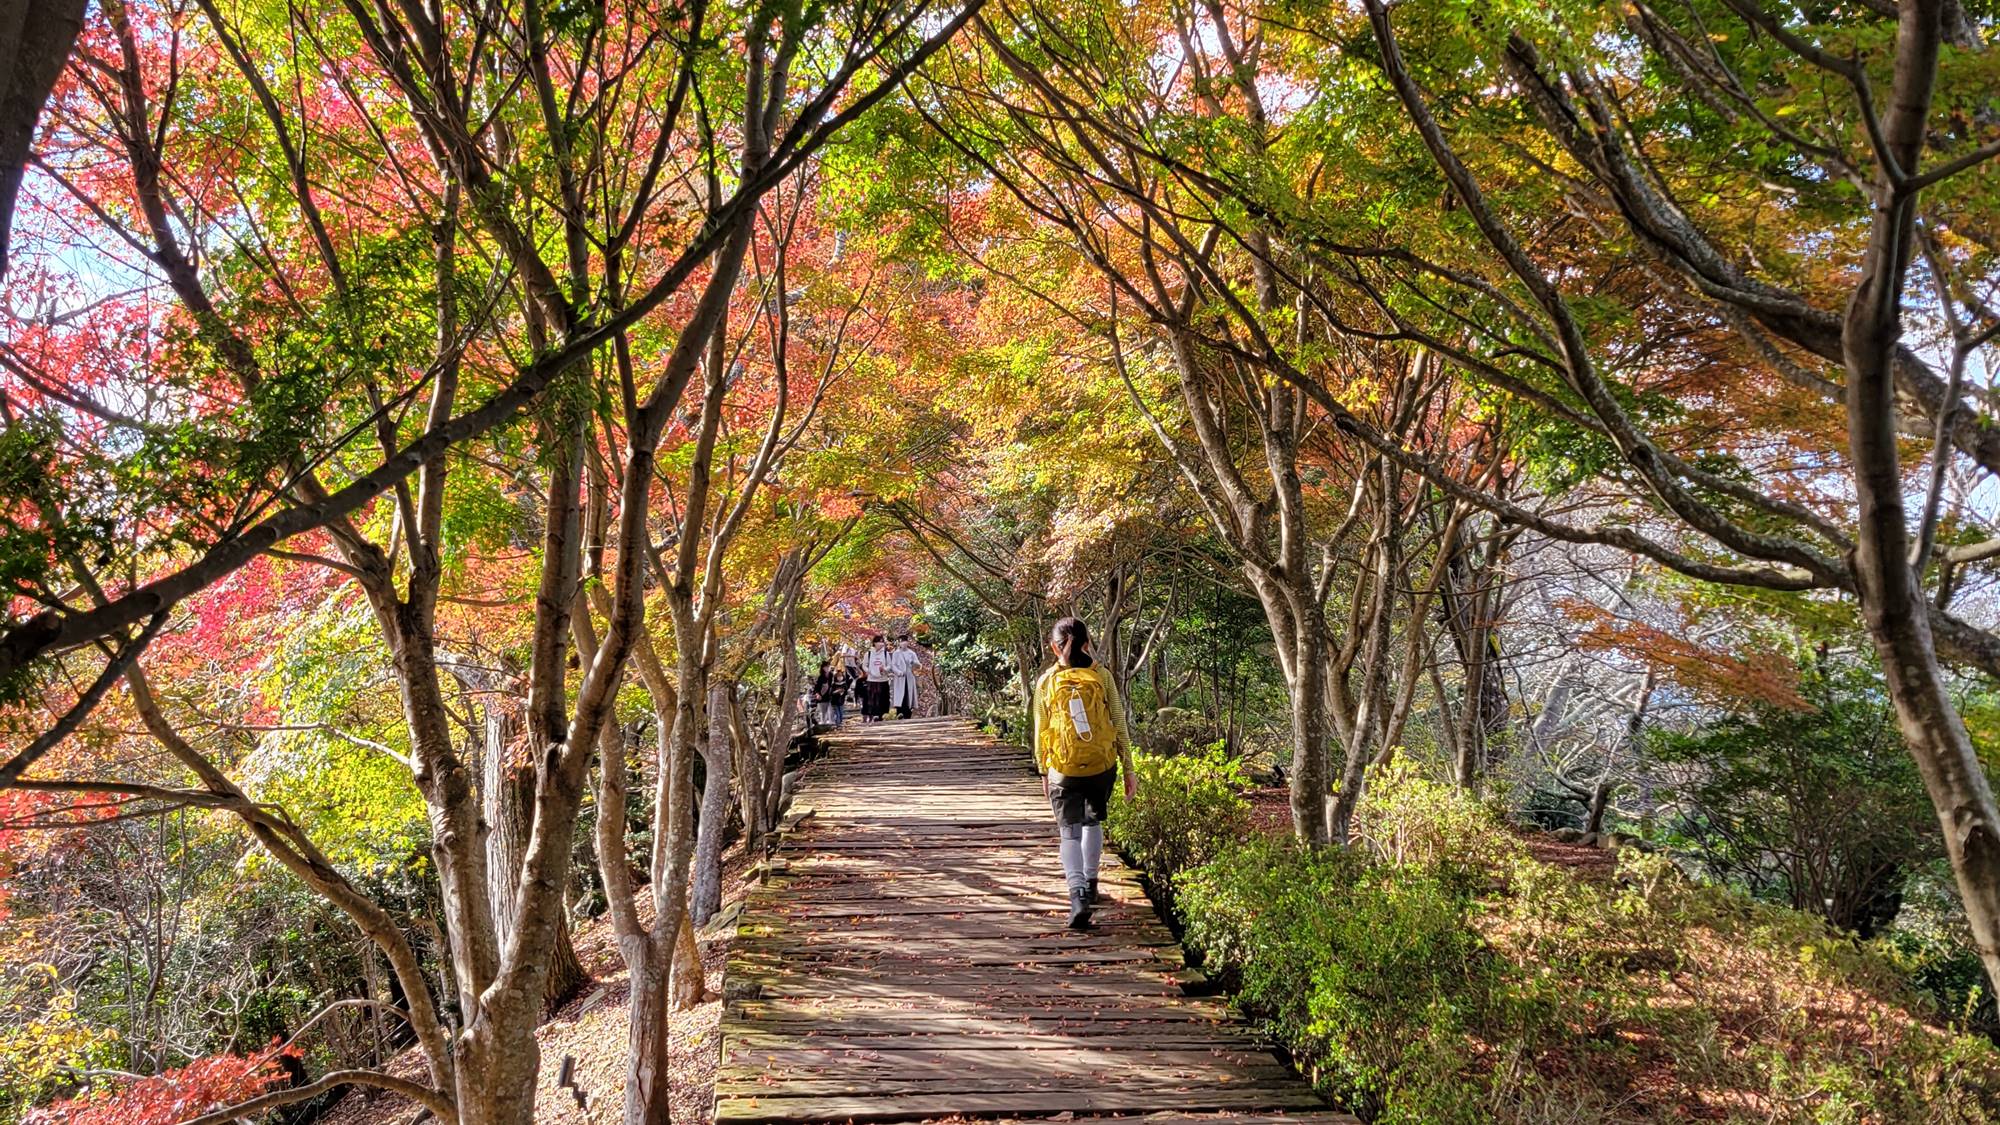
{"points": [[1437, 974], [1007, 721], [1932, 947], [1370, 975], [1189, 806], [1816, 804], [1406, 819]]}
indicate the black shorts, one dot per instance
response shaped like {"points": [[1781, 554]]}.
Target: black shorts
{"points": [[1081, 801]]}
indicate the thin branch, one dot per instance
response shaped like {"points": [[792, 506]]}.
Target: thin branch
{"points": [[423, 1095]]}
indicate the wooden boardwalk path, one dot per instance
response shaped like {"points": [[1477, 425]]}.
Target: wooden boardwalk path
{"points": [[907, 959]]}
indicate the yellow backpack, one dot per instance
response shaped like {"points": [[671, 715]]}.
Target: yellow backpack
{"points": [[1080, 739]]}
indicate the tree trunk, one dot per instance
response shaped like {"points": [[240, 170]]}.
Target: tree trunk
{"points": [[1892, 601], [453, 797], [647, 1059], [1368, 717], [37, 45], [1308, 780], [646, 1091], [1469, 602], [705, 893], [1419, 649], [1026, 667], [644, 950], [747, 764], [567, 976], [689, 985], [498, 1046], [1118, 596], [780, 738], [1600, 800], [508, 798], [1600, 795]]}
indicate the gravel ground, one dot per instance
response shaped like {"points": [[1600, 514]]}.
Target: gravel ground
{"points": [[591, 1028]]}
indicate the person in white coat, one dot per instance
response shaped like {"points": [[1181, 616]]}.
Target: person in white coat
{"points": [[875, 680], [903, 665]]}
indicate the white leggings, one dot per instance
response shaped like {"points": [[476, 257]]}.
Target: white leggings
{"points": [[1082, 851]]}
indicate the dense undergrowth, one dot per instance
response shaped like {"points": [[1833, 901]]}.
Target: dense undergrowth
{"points": [[1437, 972]]}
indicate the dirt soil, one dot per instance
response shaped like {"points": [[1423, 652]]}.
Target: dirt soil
{"points": [[1270, 808], [1585, 861], [591, 1028]]}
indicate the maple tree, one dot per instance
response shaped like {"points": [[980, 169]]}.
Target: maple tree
{"points": [[176, 1095]]}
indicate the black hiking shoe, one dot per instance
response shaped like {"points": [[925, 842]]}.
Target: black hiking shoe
{"points": [[1079, 908]]}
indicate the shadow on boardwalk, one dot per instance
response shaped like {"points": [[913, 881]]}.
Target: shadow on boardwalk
{"points": [[907, 959]]}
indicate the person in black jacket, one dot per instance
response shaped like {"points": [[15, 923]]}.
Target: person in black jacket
{"points": [[830, 690]]}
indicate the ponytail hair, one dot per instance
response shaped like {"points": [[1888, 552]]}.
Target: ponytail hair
{"points": [[1071, 638]]}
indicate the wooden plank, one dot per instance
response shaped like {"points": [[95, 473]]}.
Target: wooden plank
{"points": [[1048, 904], [1101, 1037], [1003, 1081], [872, 968], [1119, 897], [971, 1010], [895, 869], [891, 916], [968, 986], [879, 963], [942, 942], [1077, 1099], [1066, 1057], [1303, 1117], [886, 959], [1025, 1024], [792, 1013]]}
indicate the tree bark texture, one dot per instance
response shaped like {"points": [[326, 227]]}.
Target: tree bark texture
{"points": [[508, 796], [718, 756], [1892, 600]]}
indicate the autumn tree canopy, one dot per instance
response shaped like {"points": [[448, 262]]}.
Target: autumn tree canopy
{"points": [[442, 439]]}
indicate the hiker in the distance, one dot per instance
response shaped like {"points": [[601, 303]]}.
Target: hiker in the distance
{"points": [[875, 680], [1080, 741], [830, 692], [903, 665]]}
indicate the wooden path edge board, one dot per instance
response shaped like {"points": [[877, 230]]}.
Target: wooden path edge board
{"points": [[903, 956]]}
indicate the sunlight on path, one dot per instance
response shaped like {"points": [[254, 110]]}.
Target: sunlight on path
{"points": [[907, 959]]}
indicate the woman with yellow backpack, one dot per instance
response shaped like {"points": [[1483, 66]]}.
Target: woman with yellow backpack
{"points": [[1080, 739]]}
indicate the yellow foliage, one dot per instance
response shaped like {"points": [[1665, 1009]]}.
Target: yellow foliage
{"points": [[43, 1039]]}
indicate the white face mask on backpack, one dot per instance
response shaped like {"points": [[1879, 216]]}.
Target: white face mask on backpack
{"points": [[1079, 719]]}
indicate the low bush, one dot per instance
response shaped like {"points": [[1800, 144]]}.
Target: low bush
{"points": [[1407, 820], [1742, 1003], [1008, 722], [1189, 807], [1438, 974], [1168, 730], [1932, 946], [1370, 975]]}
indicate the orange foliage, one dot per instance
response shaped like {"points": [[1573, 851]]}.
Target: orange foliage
{"points": [[1721, 676], [200, 1087]]}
